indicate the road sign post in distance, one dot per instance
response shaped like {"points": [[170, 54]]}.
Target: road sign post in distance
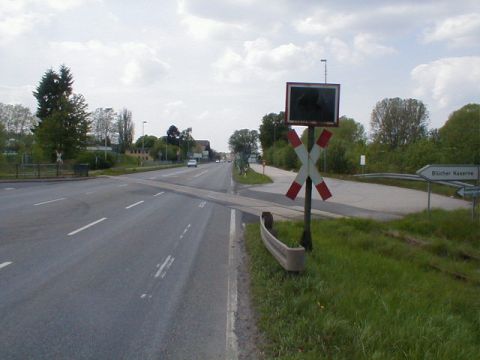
{"points": [[312, 104]]}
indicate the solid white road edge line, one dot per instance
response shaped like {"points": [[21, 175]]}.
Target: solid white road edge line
{"points": [[231, 337], [48, 202], [135, 204], [5, 264], [87, 226]]}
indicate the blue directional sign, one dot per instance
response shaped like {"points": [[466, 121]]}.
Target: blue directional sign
{"points": [[469, 191]]}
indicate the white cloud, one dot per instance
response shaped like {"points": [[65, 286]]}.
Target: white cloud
{"points": [[62, 5], [462, 30], [339, 49], [137, 64], [11, 6], [18, 95], [205, 29], [144, 71], [91, 48], [448, 82], [260, 60], [13, 26], [380, 19], [324, 24], [363, 46], [229, 67], [368, 45], [16, 21]]}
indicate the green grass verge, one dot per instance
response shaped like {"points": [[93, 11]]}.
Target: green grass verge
{"points": [[251, 177], [407, 289], [130, 170]]}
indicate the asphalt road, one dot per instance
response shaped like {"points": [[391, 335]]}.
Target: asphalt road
{"points": [[112, 269], [143, 266]]}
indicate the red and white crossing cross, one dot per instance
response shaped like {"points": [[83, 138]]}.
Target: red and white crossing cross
{"points": [[308, 168]]}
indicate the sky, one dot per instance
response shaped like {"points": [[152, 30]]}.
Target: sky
{"points": [[220, 65]]}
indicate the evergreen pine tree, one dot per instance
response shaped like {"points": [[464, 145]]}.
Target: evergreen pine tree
{"points": [[63, 117]]}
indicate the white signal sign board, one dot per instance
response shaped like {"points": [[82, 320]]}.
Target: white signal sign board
{"points": [[449, 172]]}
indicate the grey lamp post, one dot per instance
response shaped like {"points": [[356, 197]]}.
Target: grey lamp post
{"points": [[325, 149], [143, 136], [143, 140]]}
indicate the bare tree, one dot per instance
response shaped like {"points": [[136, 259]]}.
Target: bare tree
{"points": [[103, 126], [126, 129], [397, 122], [17, 119]]}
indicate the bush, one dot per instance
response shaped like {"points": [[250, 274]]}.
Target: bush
{"points": [[96, 160]]}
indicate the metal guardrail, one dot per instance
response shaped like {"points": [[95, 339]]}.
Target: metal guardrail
{"points": [[291, 259], [414, 177]]}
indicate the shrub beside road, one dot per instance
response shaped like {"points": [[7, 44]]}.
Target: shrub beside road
{"points": [[371, 290]]}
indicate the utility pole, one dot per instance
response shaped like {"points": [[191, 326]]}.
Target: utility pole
{"points": [[143, 136], [325, 61], [274, 137], [143, 141], [107, 114], [325, 149]]}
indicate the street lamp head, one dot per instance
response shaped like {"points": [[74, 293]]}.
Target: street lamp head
{"points": [[323, 60]]}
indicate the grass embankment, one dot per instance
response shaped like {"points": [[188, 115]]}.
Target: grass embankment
{"points": [[407, 289], [130, 170], [250, 178]]}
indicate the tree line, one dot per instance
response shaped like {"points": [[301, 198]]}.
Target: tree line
{"points": [[399, 141], [61, 124]]}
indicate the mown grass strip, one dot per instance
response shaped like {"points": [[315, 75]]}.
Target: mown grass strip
{"points": [[251, 177], [368, 295], [130, 170]]}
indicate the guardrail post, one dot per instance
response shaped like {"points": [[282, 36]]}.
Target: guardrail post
{"points": [[38, 171], [291, 259]]}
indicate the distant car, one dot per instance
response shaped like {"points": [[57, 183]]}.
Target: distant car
{"points": [[217, 161], [192, 162]]}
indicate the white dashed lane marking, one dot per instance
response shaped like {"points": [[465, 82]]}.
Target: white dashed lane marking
{"points": [[135, 204], [86, 226], [48, 202], [5, 264]]}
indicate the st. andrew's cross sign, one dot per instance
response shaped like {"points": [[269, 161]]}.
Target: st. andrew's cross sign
{"points": [[308, 169], [310, 104]]}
